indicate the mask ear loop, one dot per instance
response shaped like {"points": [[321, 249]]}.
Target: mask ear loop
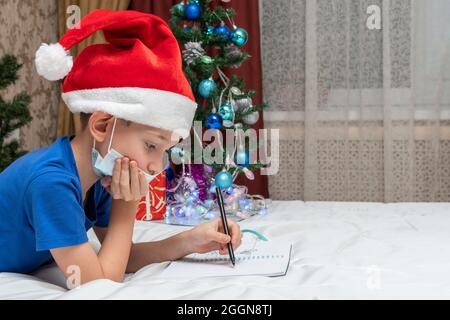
{"points": [[112, 134]]}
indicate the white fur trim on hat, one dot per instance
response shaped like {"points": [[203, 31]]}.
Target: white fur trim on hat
{"points": [[53, 62], [156, 108]]}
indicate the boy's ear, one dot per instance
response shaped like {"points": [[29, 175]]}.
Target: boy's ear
{"points": [[98, 125]]}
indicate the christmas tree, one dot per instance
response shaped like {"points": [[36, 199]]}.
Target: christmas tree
{"points": [[211, 43], [223, 101], [13, 114]]}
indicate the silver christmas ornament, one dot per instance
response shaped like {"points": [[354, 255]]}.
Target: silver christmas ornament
{"points": [[233, 53], [252, 118], [244, 104], [193, 51], [235, 106]]}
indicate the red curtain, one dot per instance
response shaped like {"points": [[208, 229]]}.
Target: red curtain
{"points": [[247, 17]]}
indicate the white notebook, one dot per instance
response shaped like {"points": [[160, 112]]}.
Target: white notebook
{"points": [[253, 257]]}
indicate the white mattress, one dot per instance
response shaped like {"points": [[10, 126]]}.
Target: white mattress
{"points": [[340, 251]]}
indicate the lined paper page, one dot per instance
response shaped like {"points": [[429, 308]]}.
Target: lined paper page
{"points": [[265, 258]]}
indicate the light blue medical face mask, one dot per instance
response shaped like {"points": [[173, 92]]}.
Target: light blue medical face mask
{"points": [[104, 166]]}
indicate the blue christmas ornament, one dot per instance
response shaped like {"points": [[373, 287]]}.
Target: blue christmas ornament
{"points": [[206, 87], [242, 158], [222, 31], [226, 111], [224, 180], [214, 121], [180, 212], [192, 11], [239, 37]]}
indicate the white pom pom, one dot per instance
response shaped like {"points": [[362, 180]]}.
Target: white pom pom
{"points": [[53, 62]]}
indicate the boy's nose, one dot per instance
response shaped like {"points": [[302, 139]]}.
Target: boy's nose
{"points": [[158, 166], [152, 170]]}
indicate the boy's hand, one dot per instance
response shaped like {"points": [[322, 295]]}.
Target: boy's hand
{"points": [[210, 236], [128, 183]]}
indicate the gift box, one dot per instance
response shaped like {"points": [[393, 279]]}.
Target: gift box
{"points": [[157, 198]]}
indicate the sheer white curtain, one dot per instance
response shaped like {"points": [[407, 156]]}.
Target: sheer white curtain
{"points": [[364, 110]]}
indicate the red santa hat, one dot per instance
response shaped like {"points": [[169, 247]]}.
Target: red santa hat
{"points": [[136, 76]]}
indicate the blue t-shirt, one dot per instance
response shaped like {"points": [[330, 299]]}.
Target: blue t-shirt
{"points": [[41, 207]]}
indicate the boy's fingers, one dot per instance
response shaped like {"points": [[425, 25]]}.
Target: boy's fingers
{"points": [[219, 237], [235, 232], [115, 184], [219, 225], [135, 185], [125, 180]]}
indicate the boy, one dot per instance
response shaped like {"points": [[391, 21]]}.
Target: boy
{"points": [[136, 103]]}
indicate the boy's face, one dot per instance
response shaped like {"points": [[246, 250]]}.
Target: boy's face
{"points": [[143, 144]]}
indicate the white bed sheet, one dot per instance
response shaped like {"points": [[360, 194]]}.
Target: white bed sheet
{"points": [[340, 251]]}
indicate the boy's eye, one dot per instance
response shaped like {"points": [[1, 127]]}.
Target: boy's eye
{"points": [[150, 146]]}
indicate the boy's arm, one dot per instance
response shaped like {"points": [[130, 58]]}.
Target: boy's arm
{"points": [[127, 188], [146, 253], [203, 238], [100, 233], [169, 249], [112, 260]]}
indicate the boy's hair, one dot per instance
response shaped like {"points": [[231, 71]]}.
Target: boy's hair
{"points": [[84, 118]]}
